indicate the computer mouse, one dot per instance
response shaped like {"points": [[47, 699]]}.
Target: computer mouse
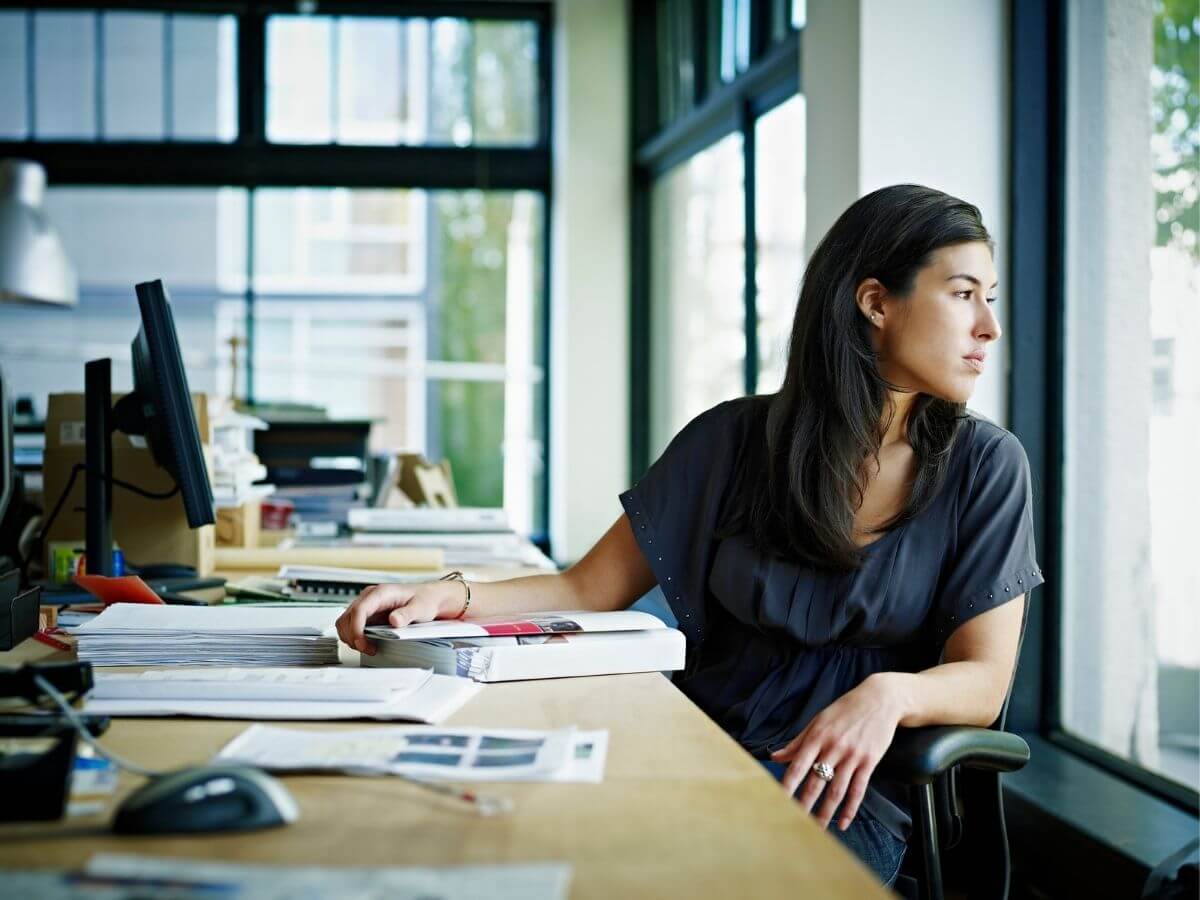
{"points": [[206, 798]]}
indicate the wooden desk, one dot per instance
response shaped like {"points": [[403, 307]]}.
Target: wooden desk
{"points": [[682, 812]]}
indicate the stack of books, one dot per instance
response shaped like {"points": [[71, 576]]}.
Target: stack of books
{"points": [[541, 645], [137, 634]]}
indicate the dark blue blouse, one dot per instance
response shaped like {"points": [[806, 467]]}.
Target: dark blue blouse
{"points": [[772, 643]]}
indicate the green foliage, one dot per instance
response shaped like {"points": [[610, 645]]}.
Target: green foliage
{"points": [[1176, 115], [471, 234]]}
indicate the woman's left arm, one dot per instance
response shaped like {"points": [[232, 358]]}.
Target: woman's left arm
{"points": [[854, 732]]}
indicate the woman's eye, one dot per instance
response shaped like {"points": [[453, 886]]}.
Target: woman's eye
{"points": [[992, 299], [963, 295]]}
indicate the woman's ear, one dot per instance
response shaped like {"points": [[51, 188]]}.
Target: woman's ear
{"points": [[870, 297]]}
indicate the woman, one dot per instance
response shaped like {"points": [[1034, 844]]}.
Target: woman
{"points": [[841, 555]]}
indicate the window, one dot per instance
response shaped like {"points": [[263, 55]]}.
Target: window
{"points": [[330, 235], [779, 225], [696, 285], [720, 131], [1130, 666]]}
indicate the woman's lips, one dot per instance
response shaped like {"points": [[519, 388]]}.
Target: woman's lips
{"points": [[974, 363]]}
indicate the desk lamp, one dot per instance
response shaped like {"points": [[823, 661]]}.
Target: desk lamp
{"points": [[33, 266]]}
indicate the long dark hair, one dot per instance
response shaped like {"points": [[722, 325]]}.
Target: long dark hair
{"points": [[801, 476]]}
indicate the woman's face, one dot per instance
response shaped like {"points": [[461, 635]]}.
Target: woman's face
{"points": [[936, 340]]}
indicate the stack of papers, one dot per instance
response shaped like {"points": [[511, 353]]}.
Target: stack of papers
{"points": [[136, 634], [290, 694], [235, 467]]}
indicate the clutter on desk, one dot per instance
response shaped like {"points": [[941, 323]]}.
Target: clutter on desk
{"points": [[118, 589], [109, 876], [338, 584], [392, 559], [93, 782], [18, 610], [458, 519], [237, 474], [440, 754], [132, 634], [465, 550], [437, 698]]}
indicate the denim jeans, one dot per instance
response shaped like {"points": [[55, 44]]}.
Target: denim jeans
{"points": [[866, 837]]}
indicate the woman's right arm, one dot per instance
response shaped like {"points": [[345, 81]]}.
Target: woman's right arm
{"points": [[611, 576]]}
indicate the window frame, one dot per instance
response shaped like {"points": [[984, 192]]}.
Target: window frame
{"points": [[710, 114], [1038, 241], [250, 161]]}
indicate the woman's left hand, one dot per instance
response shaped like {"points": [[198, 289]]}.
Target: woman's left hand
{"points": [[850, 735]]}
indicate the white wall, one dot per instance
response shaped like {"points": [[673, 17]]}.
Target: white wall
{"points": [[589, 342], [911, 92]]}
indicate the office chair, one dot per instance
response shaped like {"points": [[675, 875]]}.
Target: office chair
{"points": [[953, 773], [954, 776]]}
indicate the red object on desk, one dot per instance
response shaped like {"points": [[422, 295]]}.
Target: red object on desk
{"points": [[124, 589], [49, 641]]}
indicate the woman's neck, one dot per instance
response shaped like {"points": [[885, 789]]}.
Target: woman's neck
{"points": [[894, 424]]}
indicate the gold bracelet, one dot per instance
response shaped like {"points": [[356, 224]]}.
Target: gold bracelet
{"points": [[458, 576]]}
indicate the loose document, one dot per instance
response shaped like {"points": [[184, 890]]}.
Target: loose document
{"points": [[440, 754], [415, 695], [118, 876]]}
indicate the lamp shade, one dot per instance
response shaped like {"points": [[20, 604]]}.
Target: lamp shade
{"points": [[33, 266]]}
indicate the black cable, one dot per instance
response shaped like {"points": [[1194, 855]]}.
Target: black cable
{"points": [[66, 492]]}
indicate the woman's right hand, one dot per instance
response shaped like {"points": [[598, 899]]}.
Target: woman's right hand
{"points": [[395, 605]]}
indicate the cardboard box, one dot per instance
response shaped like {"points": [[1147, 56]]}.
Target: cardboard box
{"points": [[149, 531], [239, 526]]}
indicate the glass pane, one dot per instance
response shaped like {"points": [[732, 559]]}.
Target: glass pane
{"points": [[318, 240], [117, 237], [356, 80], [779, 224], [203, 78], [450, 118], [448, 364], [14, 89], [697, 288], [300, 79], [65, 75], [505, 83], [1131, 624], [132, 76]]}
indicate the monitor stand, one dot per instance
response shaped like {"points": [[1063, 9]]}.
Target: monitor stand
{"points": [[97, 405]]}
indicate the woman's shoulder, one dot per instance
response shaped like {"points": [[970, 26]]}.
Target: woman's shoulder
{"points": [[987, 444], [729, 419]]}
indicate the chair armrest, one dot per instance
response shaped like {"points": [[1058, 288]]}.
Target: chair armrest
{"points": [[918, 755]]}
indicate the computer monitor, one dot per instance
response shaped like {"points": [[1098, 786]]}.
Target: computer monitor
{"points": [[159, 408]]}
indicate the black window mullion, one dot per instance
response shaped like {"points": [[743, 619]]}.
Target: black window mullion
{"points": [[249, 295], [1036, 288], [751, 247], [251, 78]]}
